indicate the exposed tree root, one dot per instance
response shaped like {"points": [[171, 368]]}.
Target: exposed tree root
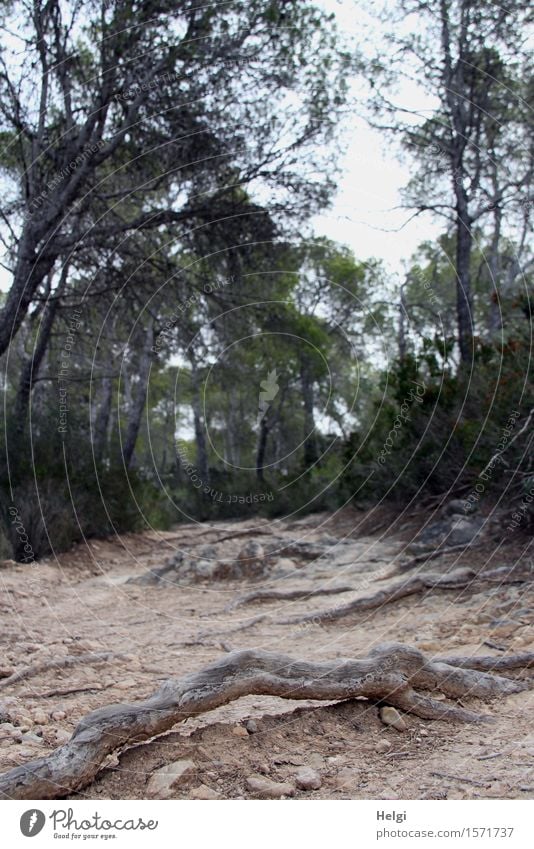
{"points": [[193, 540], [521, 660], [458, 579], [285, 595], [202, 636], [58, 663], [428, 555], [390, 673]]}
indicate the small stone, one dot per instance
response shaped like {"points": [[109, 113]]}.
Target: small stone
{"points": [[239, 731], [382, 746], [204, 792], [308, 779], [62, 736], [162, 781], [252, 726], [391, 716], [33, 738], [346, 779], [40, 717], [22, 719], [58, 715], [423, 732], [263, 786], [126, 684]]}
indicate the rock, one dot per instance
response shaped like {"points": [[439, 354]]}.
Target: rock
{"points": [[206, 569], [315, 760], [204, 792], [162, 781], [239, 731], [126, 684], [263, 786], [251, 560], [32, 738], [391, 716], [252, 726], [22, 719], [459, 507], [62, 736], [40, 717], [346, 779], [382, 746], [453, 530], [58, 715], [308, 779]]}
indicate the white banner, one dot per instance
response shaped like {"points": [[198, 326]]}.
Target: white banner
{"points": [[268, 825]]}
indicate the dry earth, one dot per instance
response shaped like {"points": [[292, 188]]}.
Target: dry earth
{"points": [[82, 603]]}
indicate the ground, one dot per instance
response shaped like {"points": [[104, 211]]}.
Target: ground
{"points": [[84, 602]]}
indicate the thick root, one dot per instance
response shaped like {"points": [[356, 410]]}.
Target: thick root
{"points": [[391, 673]]}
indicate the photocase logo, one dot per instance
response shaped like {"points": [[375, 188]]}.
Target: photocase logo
{"points": [[269, 392], [32, 822]]}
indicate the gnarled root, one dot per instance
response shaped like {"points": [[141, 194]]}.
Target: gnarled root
{"points": [[456, 580], [391, 673]]}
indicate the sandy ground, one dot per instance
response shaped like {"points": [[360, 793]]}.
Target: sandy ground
{"points": [[82, 603]]}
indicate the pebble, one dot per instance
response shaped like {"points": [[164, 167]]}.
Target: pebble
{"points": [[162, 781], [346, 779], [22, 719], [252, 726], [40, 717], [308, 779], [263, 786], [204, 792], [62, 736], [32, 738], [239, 731], [58, 715], [382, 746], [9, 729], [126, 684], [391, 716]]}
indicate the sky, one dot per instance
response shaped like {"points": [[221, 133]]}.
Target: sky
{"points": [[363, 215]]}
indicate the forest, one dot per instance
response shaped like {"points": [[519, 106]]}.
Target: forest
{"points": [[186, 353]]}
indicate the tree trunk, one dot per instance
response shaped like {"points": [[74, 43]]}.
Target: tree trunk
{"points": [[402, 325], [139, 397], [103, 414], [494, 266], [310, 440], [262, 447], [30, 271], [30, 368], [464, 300], [198, 419]]}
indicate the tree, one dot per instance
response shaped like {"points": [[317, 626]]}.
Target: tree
{"points": [[132, 125], [474, 150]]}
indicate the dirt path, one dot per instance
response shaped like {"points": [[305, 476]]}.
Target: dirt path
{"points": [[83, 603]]}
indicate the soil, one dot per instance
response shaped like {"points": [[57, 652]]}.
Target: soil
{"points": [[84, 602]]}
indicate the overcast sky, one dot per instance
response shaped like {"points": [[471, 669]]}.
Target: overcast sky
{"points": [[363, 215]]}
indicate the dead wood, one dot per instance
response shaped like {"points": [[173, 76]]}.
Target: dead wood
{"points": [[391, 673]]}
